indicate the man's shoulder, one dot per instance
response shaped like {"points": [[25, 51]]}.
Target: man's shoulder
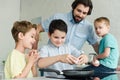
{"points": [[85, 21]]}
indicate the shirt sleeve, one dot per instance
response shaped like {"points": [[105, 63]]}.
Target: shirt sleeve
{"points": [[110, 42], [92, 37]]}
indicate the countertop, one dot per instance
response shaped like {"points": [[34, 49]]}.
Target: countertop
{"points": [[36, 78], [108, 77]]}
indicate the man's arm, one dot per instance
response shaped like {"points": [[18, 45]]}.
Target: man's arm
{"points": [[39, 29], [95, 46]]}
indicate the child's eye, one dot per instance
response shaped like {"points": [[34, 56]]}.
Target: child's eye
{"points": [[56, 37], [63, 37], [32, 36]]}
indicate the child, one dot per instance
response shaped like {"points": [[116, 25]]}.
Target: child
{"points": [[57, 54], [19, 64], [108, 49]]}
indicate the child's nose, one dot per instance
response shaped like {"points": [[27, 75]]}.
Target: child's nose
{"points": [[34, 40], [59, 40]]}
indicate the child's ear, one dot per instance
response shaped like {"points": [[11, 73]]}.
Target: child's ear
{"points": [[108, 27], [20, 35]]}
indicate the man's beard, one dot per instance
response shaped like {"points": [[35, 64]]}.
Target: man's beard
{"points": [[76, 21]]}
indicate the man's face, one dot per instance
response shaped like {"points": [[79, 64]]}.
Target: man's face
{"points": [[80, 12]]}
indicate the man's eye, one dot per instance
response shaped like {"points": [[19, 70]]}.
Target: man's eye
{"points": [[79, 11]]}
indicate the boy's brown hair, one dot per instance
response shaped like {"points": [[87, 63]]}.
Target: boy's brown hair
{"points": [[21, 26]]}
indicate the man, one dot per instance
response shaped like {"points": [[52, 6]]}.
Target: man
{"points": [[79, 29]]}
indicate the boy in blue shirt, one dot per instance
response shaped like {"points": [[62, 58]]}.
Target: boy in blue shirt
{"points": [[57, 54]]}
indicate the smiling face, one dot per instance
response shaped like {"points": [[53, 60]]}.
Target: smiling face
{"points": [[29, 38], [80, 12], [101, 28], [57, 37]]}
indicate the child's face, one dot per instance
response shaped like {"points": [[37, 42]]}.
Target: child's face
{"points": [[57, 38], [29, 39], [101, 28]]}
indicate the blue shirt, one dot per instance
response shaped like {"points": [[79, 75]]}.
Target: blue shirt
{"points": [[108, 41], [51, 50], [78, 33]]}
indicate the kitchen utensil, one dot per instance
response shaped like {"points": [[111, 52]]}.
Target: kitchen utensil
{"points": [[71, 73]]}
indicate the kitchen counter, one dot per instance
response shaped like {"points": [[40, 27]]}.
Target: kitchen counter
{"points": [[36, 78], [103, 76]]}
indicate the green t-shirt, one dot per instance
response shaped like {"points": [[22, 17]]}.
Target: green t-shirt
{"points": [[112, 60]]}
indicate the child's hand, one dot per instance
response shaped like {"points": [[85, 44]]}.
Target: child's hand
{"points": [[96, 62], [67, 58], [82, 59], [33, 56]]}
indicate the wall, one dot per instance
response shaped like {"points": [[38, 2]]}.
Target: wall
{"points": [[10, 11]]}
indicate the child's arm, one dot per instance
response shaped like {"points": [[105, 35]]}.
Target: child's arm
{"points": [[47, 61], [104, 54], [95, 62], [34, 70], [65, 58], [34, 67], [82, 59]]}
